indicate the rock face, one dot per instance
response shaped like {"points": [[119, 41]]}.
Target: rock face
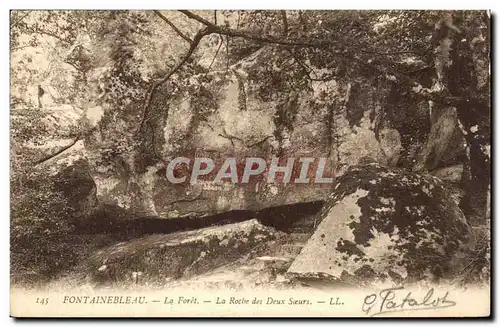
{"points": [[445, 143], [235, 113], [385, 224], [71, 175], [160, 258]]}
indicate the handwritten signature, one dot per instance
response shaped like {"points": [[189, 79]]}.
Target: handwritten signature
{"points": [[394, 300]]}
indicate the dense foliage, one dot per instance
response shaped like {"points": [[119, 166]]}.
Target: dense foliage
{"points": [[39, 230]]}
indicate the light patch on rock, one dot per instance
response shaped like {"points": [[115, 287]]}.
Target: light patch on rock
{"points": [[147, 182], [179, 119], [317, 253], [173, 214], [362, 142], [209, 136], [94, 115], [105, 185], [379, 249], [222, 203], [324, 87], [273, 189], [250, 125]]}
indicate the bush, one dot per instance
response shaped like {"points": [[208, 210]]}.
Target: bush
{"points": [[40, 228]]}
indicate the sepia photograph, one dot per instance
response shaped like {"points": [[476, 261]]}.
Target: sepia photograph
{"points": [[250, 163]]}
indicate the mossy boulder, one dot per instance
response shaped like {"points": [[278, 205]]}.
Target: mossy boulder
{"points": [[382, 223]]}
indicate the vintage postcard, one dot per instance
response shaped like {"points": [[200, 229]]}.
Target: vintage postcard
{"points": [[250, 163]]}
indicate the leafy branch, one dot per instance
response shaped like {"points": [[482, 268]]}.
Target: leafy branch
{"points": [[343, 48], [194, 44], [79, 137]]}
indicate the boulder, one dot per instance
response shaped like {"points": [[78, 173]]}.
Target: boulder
{"points": [[235, 113], [385, 224], [445, 143], [160, 258]]}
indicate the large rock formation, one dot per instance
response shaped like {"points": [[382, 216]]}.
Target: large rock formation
{"points": [[384, 224], [235, 113]]}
